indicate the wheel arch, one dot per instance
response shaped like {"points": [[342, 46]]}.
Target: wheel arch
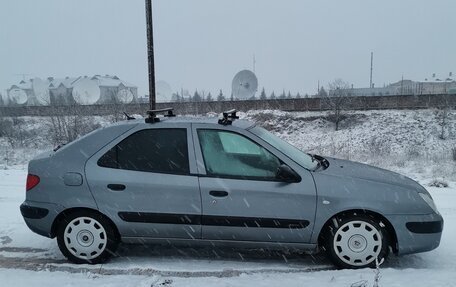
{"points": [[353, 212], [69, 211]]}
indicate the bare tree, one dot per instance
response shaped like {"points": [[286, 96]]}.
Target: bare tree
{"points": [[13, 130], [442, 115], [337, 101], [67, 124], [116, 108]]}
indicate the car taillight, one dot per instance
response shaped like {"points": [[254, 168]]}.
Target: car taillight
{"points": [[32, 181]]}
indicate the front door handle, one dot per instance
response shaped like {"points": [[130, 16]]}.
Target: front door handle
{"points": [[218, 193], [116, 187]]}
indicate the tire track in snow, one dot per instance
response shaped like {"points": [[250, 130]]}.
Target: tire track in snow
{"points": [[22, 249], [53, 265]]}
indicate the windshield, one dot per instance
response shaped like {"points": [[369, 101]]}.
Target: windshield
{"points": [[289, 150]]}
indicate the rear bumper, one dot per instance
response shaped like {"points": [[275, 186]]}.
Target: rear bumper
{"points": [[33, 212], [40, 216], [417, 233], [425, 227]]}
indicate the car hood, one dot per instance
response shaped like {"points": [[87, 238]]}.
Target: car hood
{"points": [[355, 170]]}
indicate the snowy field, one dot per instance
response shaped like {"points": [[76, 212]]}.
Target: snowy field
{"points": [[404, 141]]}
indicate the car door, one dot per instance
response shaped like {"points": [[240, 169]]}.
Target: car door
{"points": [[242, 199], [145, 182]]}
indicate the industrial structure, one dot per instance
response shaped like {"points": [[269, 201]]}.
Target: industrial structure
{"points": [[81, 90]]}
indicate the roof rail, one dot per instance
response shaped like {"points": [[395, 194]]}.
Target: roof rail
{"points": [[228, 117], [168, 112]]}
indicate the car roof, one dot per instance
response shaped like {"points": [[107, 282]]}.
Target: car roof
{"points": [[243, 124]]}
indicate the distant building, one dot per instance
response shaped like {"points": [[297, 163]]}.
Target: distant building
{"points": [[72, 90], [407, 87]]}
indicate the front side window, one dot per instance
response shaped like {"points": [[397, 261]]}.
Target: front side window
{"points": [[152, 150], [227, 154]]}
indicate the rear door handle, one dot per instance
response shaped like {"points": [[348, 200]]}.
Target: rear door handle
{"points": [[116, 187], [218, 193]]}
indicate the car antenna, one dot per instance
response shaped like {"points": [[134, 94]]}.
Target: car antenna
{"points": [[228, 117], [129, 117], [152, 118]]}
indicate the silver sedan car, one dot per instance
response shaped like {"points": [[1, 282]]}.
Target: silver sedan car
{"points": [[224, 181]]}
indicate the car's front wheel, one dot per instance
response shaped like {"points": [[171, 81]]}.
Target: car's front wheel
{"points": [[85, 237], [355, 242]]}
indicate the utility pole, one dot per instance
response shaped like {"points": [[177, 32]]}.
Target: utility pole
{"points": [[150, 54], [372, 68]]}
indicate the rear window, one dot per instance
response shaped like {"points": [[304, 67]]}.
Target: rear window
{"points": [[151, 150]]}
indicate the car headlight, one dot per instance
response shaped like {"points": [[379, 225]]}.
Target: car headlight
{"points": [[426, 197]]}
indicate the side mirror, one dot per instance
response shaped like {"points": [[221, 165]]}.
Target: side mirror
{"points": [[286, 174]]}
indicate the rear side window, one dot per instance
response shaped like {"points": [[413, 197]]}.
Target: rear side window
{"points": [[152, 150]]}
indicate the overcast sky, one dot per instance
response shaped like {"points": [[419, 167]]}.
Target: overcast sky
{"points": [[203, 43]]}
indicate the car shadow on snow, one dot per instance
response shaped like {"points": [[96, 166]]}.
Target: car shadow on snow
{"points": [[285, 257]]}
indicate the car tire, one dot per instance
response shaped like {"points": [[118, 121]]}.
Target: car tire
{"points": [[355, 242], [86, 238]]}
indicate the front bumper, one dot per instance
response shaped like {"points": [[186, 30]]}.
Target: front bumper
{"points": [[40, 216], [417, 233]]}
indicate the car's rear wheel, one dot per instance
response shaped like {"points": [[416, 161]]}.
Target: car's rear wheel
{"points": [[355, 242], [86, 237]]}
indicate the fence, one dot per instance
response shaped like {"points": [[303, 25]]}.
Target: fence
{"points": [[302, 104]]}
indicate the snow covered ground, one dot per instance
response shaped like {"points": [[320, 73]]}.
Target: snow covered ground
{"points": [[405, 141]]}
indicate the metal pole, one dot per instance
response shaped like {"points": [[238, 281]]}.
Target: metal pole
{"points": [[372, 67], [150, 54]]}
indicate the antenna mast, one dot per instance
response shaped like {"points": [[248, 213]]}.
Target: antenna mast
{"points": [[150, 54]]}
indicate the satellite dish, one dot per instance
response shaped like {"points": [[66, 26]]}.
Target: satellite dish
{"points": [[245, 85], [86, 92], [18, 96], [163, 91], [41, 91], [124, 96]]}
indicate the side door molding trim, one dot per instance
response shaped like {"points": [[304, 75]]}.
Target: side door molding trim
{"points": [[213, 220]]}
